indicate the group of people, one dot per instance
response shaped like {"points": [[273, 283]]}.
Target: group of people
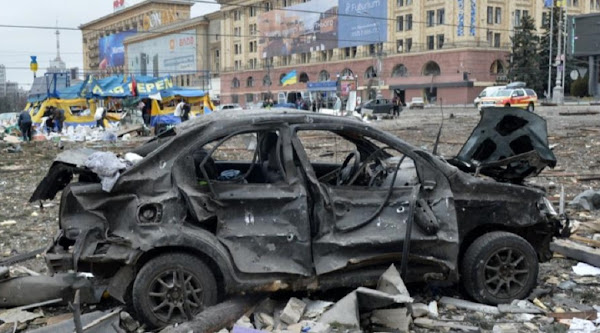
{"points": [[182, 110]]}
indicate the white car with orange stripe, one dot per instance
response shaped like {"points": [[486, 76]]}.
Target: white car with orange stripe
{"points": [[516, 97]]}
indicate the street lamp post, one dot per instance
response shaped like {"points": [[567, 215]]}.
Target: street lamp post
{"points": [[378, 55]]}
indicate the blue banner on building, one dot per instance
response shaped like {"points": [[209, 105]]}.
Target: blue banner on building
{"points": [[322, 86], [362, 22], [111, 50]]}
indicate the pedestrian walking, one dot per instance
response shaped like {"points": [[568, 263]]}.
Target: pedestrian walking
{"points": [[396, 106], [179, 109], [24, 123], [185, 116], [99, 116], [59, 118]]}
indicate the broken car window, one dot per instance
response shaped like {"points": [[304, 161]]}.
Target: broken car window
{"points": [[245, 158]]}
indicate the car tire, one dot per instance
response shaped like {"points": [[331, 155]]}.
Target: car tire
{"points": [[499, 267], [159, 302], [530, 107], [506, 105]]}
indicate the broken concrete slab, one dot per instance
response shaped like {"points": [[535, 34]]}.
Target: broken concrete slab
{"points": [[576, 251], [418, 310], [315, 309], [519, 306], [391, 282], [588, 200], [397, 319], [370, 299], [438, 324], [462, 304], [433, 309], [18, 315], [343, 313], [293, 311]]}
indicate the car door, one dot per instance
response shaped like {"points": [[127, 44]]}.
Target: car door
{"points": [[261, 219], [365, 225]]}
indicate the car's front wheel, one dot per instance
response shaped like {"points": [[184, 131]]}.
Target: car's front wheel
{"points": [[172, 288], [499, 267]]}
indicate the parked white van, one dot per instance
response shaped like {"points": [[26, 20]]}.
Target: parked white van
{"points": [[487, 92]]}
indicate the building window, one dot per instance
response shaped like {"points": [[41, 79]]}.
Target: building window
{"points": [[408, 44], [237, 31], [266, 81], [525, 13], [498, 15], [440, 41], [237, 15], [400, 71], [497, 40], [250, 82], [285, 3], [323, 76], [303, 78], [430, 18], [490, 38], [517, 18], [237, 65], [399, 46], [441, 16], [370, 73], [235, 99], [430, 42], [268, 6], [408, 2], [249, 98], [252, 28], [431, 68], [399, 3], [235, 83], [545, 17], [575, 3], [399, 23], [409, 22], [497, 67], [305, 58], [490, 15], [252, 11], [237, 49]]}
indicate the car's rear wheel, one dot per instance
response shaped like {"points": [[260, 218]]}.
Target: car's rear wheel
{"points": [[507, 105], [172, 288], [499, 267], [530, 107]]}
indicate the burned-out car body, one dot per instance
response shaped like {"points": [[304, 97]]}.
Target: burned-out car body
{"points": [[265, 201]]}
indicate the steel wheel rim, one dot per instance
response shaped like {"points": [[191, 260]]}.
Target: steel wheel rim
{"points": [[506, 272], [175, 295]]}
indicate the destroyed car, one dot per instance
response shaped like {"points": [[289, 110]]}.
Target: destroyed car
{"points": [[253, 201]]}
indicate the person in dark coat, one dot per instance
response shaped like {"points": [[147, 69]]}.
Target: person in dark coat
{"points": [[24, 124]]}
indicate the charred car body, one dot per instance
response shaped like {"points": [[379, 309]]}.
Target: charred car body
{"points": [[197, 219]]}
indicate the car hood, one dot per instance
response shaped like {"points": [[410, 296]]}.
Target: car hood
{"points": [[508, 144]]}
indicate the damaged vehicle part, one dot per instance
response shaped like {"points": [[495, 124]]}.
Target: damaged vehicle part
{"points": [[508, 145], [246, 201]]}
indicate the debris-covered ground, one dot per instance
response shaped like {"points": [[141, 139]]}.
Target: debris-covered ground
{"points": [[574, 134]]}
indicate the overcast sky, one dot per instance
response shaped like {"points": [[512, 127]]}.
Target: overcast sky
{"points": [[16, 45]]}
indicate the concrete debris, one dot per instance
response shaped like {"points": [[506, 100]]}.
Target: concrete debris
{"points": [[433, 309], [567, 285], [18, 315], [462, 304], [505, 328], [293, 311], [588, 200], [584, 269], [519, 306], [576, 251], [391, 282], [343, 313], [582, 326], [437, 324], [397, 319], [419, 310], [315, 309], [244, 322]]}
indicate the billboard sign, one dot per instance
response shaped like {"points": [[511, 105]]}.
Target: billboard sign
{"points": [[111, 49], [584, 39], [362, 22], [305, 27], [173, 54]]}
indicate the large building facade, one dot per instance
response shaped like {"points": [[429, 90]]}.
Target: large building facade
{"points": [[103, 38], [437, 49]]}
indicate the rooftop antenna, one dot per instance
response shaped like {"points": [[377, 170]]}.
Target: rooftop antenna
{"points": [[439, 134]]}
